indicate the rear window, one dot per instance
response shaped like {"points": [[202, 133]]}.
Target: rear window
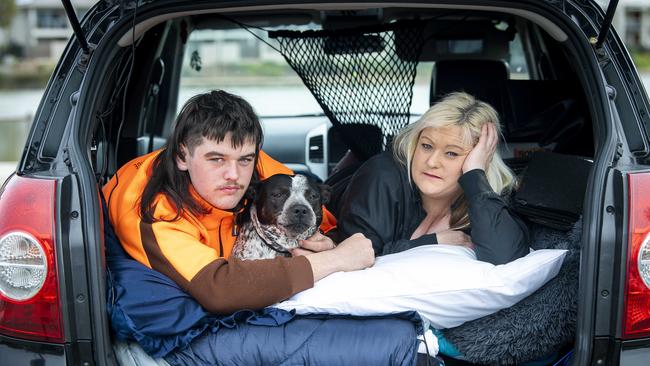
{"points": [[240, 63], [243, 64]]}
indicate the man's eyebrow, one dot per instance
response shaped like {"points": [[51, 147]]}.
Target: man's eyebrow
{"points": [[217, 154], [211, 154]]}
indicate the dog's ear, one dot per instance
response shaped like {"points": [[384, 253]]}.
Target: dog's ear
{"points": [[325, 193], [253, 189]]}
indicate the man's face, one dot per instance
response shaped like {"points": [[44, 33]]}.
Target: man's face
{"points": [[220, 173]]}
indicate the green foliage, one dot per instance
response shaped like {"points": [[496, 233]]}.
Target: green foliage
{"points": [[12, 49], [241, 73], [255, 69], [7, 12], [265, 69], [641, 60], [33, 79]]}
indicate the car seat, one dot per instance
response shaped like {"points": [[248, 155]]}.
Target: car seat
{"points": [[484, 79]]}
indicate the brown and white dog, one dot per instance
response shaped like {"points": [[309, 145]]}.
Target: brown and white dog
{"points": [[285, 210]]}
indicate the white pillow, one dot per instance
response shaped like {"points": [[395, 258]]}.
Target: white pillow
{"points": [[444, 283]]}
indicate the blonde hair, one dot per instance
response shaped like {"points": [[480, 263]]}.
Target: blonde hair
{"points": [[470, 114]]}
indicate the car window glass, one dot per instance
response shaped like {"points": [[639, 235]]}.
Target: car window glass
{"points": [[421, 89], [517, 60], [237, 62]]}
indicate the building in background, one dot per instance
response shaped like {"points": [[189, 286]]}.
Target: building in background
{"points": [[41, 28], [632, 22], [232, 46]]}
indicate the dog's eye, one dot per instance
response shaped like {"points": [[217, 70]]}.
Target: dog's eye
{"points": [[313, 196], [276, 194]]}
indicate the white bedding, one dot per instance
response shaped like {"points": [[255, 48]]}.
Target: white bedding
{"points": [[444, 283]]}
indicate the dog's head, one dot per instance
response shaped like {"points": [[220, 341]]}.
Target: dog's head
{"points": [[290, 205]]}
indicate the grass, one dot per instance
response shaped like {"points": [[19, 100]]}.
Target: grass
{"points": [[641, 60], [25, 76], [32, 75]]}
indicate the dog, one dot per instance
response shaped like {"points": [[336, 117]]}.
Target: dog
{"points": [[285, 210]]}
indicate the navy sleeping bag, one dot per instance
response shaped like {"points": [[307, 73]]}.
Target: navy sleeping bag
{"points": [[305, 341], [147, 307]]}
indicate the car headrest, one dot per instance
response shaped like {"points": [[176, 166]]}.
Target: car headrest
{"points": [[365, 140], [481, 78]]}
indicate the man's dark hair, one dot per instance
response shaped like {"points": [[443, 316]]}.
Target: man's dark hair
{"points": [[211, 116]]}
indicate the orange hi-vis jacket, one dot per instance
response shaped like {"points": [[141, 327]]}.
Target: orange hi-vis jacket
{"points": [[194, 251]]}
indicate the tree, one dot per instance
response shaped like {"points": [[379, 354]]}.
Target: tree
{"points": [[7, 12]]}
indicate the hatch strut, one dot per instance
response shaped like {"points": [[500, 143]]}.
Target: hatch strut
{"points": [[76, 27], [607, 23]]}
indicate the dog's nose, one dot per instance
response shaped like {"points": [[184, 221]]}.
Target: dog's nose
{"points": [[300, 211]]}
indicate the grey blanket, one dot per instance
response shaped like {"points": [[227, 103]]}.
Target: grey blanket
{"points": [[535, 327]]}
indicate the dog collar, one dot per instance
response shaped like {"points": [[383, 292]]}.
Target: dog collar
{"points": [[259, 228]]}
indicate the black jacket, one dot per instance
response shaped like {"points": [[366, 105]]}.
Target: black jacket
{"points": [[381, 203]]}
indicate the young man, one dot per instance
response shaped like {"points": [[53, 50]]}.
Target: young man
{"points": [[175, 209]]}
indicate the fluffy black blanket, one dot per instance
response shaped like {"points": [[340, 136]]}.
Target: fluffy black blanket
{"points": [[535, 327]]}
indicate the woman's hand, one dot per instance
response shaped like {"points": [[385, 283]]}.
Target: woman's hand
{"points": [[481, 155], [455, 237], [316, 243]]}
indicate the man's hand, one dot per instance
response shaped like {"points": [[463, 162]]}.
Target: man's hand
{"points": [[316, 243], [481, 155], [351, 254], [455, 237], [355, 253]]}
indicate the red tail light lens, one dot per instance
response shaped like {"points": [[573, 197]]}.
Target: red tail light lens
{"points": [[636, 322], [29, 290]]}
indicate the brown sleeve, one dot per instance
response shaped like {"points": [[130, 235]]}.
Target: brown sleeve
{"points": [[223, 287]]}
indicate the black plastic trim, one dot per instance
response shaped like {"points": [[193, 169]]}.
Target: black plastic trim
{"points": [[607, 23], [74, 22], [17, 352]]}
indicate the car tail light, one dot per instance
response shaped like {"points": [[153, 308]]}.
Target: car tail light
{"points": [[636, 321], [29, 291]]}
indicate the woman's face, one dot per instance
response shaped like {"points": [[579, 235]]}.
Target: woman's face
{"points": [[438, 161]]}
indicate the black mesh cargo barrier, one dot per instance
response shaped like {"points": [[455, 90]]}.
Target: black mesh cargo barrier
{"points": [[362, 78]]}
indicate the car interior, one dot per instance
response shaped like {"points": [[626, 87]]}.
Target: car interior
{"points": [[520, 66], [542, 108]]}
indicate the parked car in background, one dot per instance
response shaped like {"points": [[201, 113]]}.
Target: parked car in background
{"points": [[559, 76]]}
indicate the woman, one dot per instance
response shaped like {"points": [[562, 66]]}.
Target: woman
{"points": [[444, 178]]}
